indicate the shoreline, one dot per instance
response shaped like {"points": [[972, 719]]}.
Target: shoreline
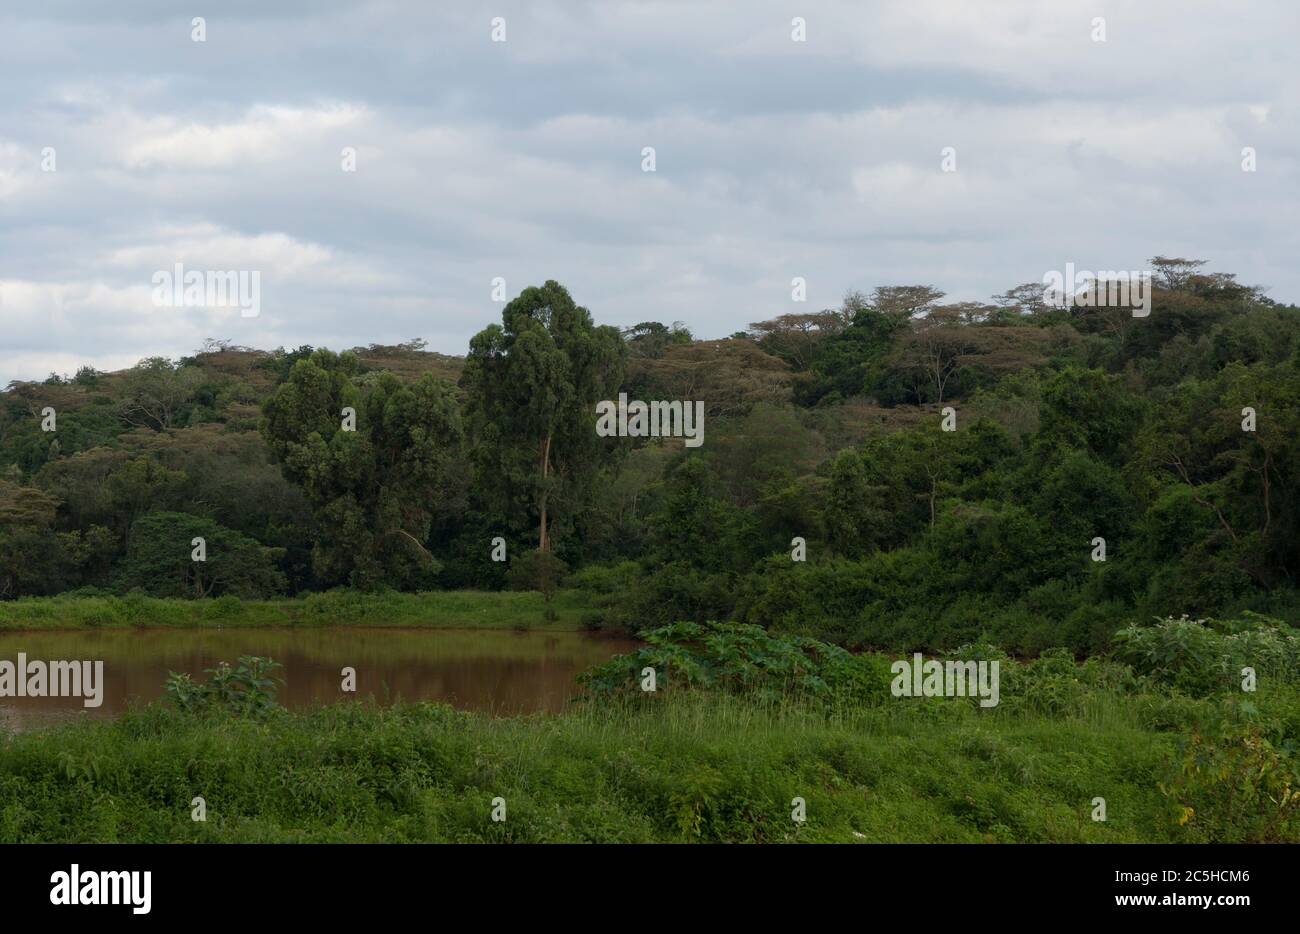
{"points": [[449, 609]]}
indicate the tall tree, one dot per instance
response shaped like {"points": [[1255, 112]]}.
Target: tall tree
{"points": [[532, 383], [375, 486]]}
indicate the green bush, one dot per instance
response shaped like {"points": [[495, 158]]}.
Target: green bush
{"points": [[1235, 786], [742, 659], [246, 689], [1201, 657]]}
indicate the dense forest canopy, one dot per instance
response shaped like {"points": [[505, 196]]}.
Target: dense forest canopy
{"points": [[1172, 437]]}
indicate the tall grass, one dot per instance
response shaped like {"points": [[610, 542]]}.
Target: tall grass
{"points": [[690, 768]]}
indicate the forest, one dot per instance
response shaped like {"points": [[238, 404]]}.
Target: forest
{"points": [[1104, 469]]}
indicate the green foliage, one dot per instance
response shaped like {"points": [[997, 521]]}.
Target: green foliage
{"points": [[738, 658], [375, 489], [537, 570], [160, 560], [1089, 410], [1201, 657], [708, 766], [340, 607], [532, 384], [1071, 425], [1232, 785], [246, 689]]}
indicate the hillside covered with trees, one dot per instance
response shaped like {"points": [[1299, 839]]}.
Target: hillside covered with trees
{"points": [[1070, 425]]}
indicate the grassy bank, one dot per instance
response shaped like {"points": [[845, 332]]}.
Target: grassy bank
{"points": [[1162, 744], [713, 770], [690, 768], [450, 609]]}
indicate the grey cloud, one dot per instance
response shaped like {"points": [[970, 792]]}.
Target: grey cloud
{"points": [[522, 159]]}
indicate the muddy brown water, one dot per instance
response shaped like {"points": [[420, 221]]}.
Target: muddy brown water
{"points": [[495, 670]]}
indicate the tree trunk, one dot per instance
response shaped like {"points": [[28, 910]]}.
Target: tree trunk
{"points": [[543, 539]]}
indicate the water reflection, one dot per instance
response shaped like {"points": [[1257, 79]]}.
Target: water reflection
{"points": [[501, 671]]}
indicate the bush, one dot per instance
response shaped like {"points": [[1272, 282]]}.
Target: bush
{"points": [[1201, 657], [537, 570], [223, 607], [245, 690], [676, 591], [1234, 786], [742, 659]]}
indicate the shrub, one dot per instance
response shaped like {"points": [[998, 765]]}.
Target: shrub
{"points": [[537, 570], [246, 689], [742, 659], [223, 607], [1234, 786], [1204, 656]]}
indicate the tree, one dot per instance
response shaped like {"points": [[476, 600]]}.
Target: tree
{"points": [[1245, 483], [1173, 273], [538, 570], [34, 559], [891, 489], [939, 345], [794, 337], [849, 362], [1089, 410], [730, 376], [651, 339], [160, 560], [138, 486], [903, 302], [695, 528], [155, 392], [1026, 299], [374, 490], [532, 384]]}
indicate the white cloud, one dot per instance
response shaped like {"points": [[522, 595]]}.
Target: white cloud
{"points": [[266, 133], [479, 159]]}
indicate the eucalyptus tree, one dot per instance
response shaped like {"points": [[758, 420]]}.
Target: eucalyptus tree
{"points": [[532, 383]]}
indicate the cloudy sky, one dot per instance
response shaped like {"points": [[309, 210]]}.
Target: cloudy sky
{"points": [[523, 159]]}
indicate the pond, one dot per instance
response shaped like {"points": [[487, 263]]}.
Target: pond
{"points": [[500, 671]]}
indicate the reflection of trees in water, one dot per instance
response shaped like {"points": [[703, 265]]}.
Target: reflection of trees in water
{"points": [[497, 671]]}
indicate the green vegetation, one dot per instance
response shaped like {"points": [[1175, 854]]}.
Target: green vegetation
{"points": [[1070, 425], [742, 725], [698, 766], [532, 384], [373, 457], [452, 609], [1125, 488], [246, 689], [743, 660]]}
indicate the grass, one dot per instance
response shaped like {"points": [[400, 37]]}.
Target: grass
{"points": [[437, 609], [690, 765], [687, 768]]}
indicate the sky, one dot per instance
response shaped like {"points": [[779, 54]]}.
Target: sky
{"points": [[127, 147]]}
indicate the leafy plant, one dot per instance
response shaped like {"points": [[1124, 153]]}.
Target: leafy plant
{"points": [[246, 689], [741, 658], [1235, 786], [1202, 656], [83, 769]]}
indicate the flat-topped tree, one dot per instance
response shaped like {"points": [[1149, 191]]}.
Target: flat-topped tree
{"points": [[532, 384]]}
